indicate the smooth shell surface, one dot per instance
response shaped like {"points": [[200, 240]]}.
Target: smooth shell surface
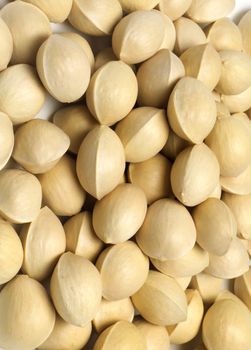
{"points": [[174, 9], [240, 184], [208, 286], [6, 45], [134, 5], [238, 103], [6, 139], [56, 10]]}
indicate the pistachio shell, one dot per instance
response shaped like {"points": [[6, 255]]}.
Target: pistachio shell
{"points": [[121, 335], [66, 336], [28, 307], [156, 336], [169, 38], [43, 241], [216, 226], [167, 222], [157, 77], [138, 36], [227, 295], [216, 192], [230, 265], [100, 161], [174, 145], [21, 196], [107, 103], [161, 300], [238, 103], [183, 281], [134, 5], [195, 165], [185, 331], [61, 190], [195, 261], [6, 45], [240, 184], [242, 288], [81, 238], [191, 110], [174, 9], [63, 68], [6, 139], [245, 28], [104, 56], [143, 133], [11, 252], [76, 289], [208, 286], [21, 93]]}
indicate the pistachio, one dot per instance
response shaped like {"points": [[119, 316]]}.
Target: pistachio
{"points": [[6, 139], [174, 9], [208, 286], [6, 45], [174, 145], [169, 38], [183, 281], [238, 103], [240, 184]]}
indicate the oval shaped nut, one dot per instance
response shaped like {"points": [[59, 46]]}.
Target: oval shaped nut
{"points": [[185, 331], [67, 336], [203, 63], [90, 17], [115, 221], [156, 336], [112, 92], [123, 269], [230, 265], [169, 38], [188, 34], [157, 77], [104, 56], [174, 9], [167, 222], [224, 34], [56, 10], [205, 11], [240, 184], [6, 45], [238, 103], [43, 242], [6, 139], [143, 133], [100, 161], [215, 225], [174, 145], [132, 5], [138, 36], [191, 110], [21, 93], [81, 238], [120, 335], [63, 68], [28, 306], [245, 28], [21, 196], [76, 289], [62, 192], [11, 252], [29, 27], [208, 286], [242, 288], [161, 300], [195, 165], [110, 312], [195, 261]]}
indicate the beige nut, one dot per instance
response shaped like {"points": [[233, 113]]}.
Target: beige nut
{"points": [[245, 28], [238, 103], [174, 9], [240, 184], [6, 45], [6, 139], [135, 5], [174, 145], [104, 56], [208, 286]]}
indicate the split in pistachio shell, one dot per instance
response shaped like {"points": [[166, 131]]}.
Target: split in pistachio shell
{"points": [[135, 5], [76, 289], [185, 331], [174, 9], [208, 286], [156, 336], [203, 63], [6, 49], [216, 226], [43, 242], [6, 138], [167, 222], [21, 196], [104, 56], [28, 307], [157, 77], [76, 121], [240, 184], [66, 336], [63, 68], [21, 93], [238, 103], [245, 28], [226, 326], [121, 335], [195, 174], [242, 288], [216, 193], [224, 34], [183, 281], [195, 261], [174, 145], [161, 300], [81, 238], [62, 192], [138, 36], [188, 34], [29, 27], [11, 252], [143, 133], [110, 312], [107, 103], [230, 265], [169, 38]]}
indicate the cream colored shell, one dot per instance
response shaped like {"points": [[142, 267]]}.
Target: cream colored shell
{"points": [[242, 288], [174, 145], [21, 93], [6, 139], [76, 289], [174, 9], [183, 281], [104, 56], [100, 161], [169, 38], [134, 5], [6, 49], [167, 222], [28, 307], [11, 252], [240, 184], [208, 286], [216, 192], [238, 103], [245, 28]]}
